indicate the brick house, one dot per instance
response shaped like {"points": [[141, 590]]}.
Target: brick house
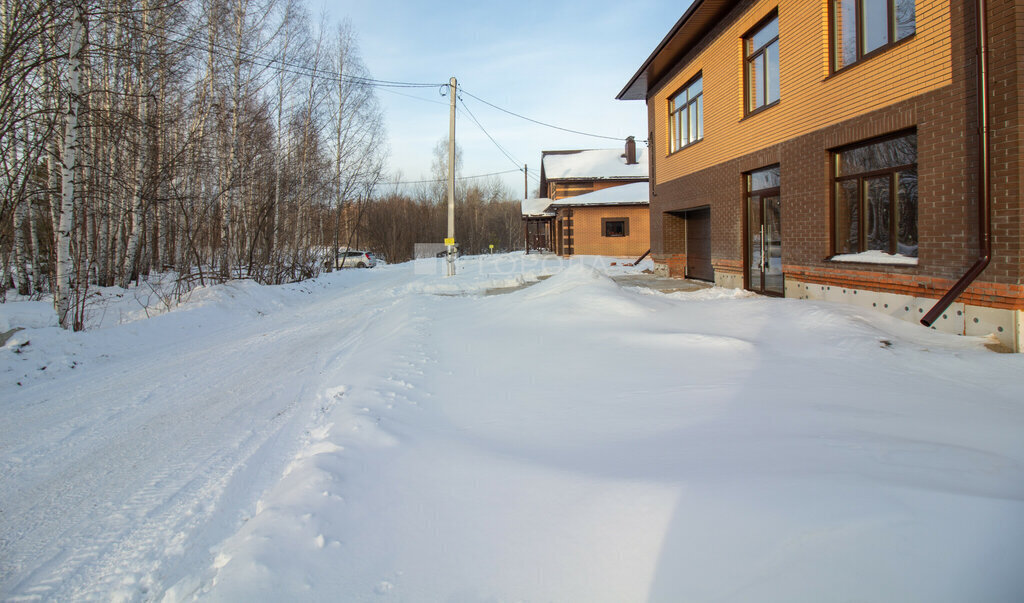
{"points": [[835, 151], [594, 202]]}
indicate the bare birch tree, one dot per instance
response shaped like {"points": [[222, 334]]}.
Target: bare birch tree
{"points": [[65, 263], [155, 140]]}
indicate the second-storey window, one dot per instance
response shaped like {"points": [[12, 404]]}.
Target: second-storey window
{"points": [[686, 115], [860, 27], [761, 50]]}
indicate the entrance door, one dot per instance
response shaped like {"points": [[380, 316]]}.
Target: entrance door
{"points": [[764, 238]]}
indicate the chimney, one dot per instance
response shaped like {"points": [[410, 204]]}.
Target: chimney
{"points": [[630, 151]]}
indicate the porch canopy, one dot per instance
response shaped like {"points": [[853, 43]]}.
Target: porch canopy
{"points": [[537, 208]]}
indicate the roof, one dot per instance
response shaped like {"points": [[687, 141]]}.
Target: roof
{"points": [[598, 164], [636, 193], [536, 207], [696, 22]]}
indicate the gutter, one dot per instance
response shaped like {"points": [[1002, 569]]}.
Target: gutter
{"points": [[984, 179], [694, 5]]}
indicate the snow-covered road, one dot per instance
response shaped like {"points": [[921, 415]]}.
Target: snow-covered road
{"points": [[393, 435], [120, 471]]}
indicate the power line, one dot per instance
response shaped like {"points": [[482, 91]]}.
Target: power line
{"points": [[265, 61], [445, 180], [268, 61], [541, 123], [515, 162], [532, 175], [271, 61], [419, 98], [466, 110], [190, 40]]}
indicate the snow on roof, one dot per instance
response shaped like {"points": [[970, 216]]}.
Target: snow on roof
{"points": [[635, 193], [536, 207], [598, 163]]}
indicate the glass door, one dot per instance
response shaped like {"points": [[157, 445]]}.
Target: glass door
{"points": [[755, 244], [771, 274], [764, 232]]}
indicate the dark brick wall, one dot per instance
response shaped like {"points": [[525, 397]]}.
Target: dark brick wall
{"points": [[946, 121]]}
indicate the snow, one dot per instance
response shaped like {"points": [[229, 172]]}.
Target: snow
{"points": [[26, 313], [875, 256], [635, 193], [536, 207], [393, 435], [597, 164]]}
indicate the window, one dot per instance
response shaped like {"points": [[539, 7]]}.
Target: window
{"points": [[875, 196], [761, 51], [686, 115], [861, 27], [614, 227]]}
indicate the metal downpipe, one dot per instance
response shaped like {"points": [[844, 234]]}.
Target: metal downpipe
{"points": [[984, 180]]}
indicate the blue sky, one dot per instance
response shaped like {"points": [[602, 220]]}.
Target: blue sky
{"points": [[557, 62]]}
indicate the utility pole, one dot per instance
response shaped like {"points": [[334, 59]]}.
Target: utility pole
{"points": [[450, 241], [526, 182]]}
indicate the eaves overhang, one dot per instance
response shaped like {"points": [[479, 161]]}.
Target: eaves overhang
{"points": [[696, 22], [568, 203]]}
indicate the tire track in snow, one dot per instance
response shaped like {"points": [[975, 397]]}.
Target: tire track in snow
{"points": [[101, 521], [356, 417]]}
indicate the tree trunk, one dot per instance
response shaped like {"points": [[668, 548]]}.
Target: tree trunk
{"points": [[65, 263], [21, 253], [130, 268], [37, 268]]}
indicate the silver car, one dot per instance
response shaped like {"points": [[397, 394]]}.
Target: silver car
{"points": [[354, 259]]}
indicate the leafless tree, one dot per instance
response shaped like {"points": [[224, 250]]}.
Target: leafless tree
{"points": [[214, 138]]}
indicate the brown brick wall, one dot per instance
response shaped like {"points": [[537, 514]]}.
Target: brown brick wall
{"points": [[993, 295], [676, 263], [1006, 36], [673, 234], [588, 233], [904, 89]]}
